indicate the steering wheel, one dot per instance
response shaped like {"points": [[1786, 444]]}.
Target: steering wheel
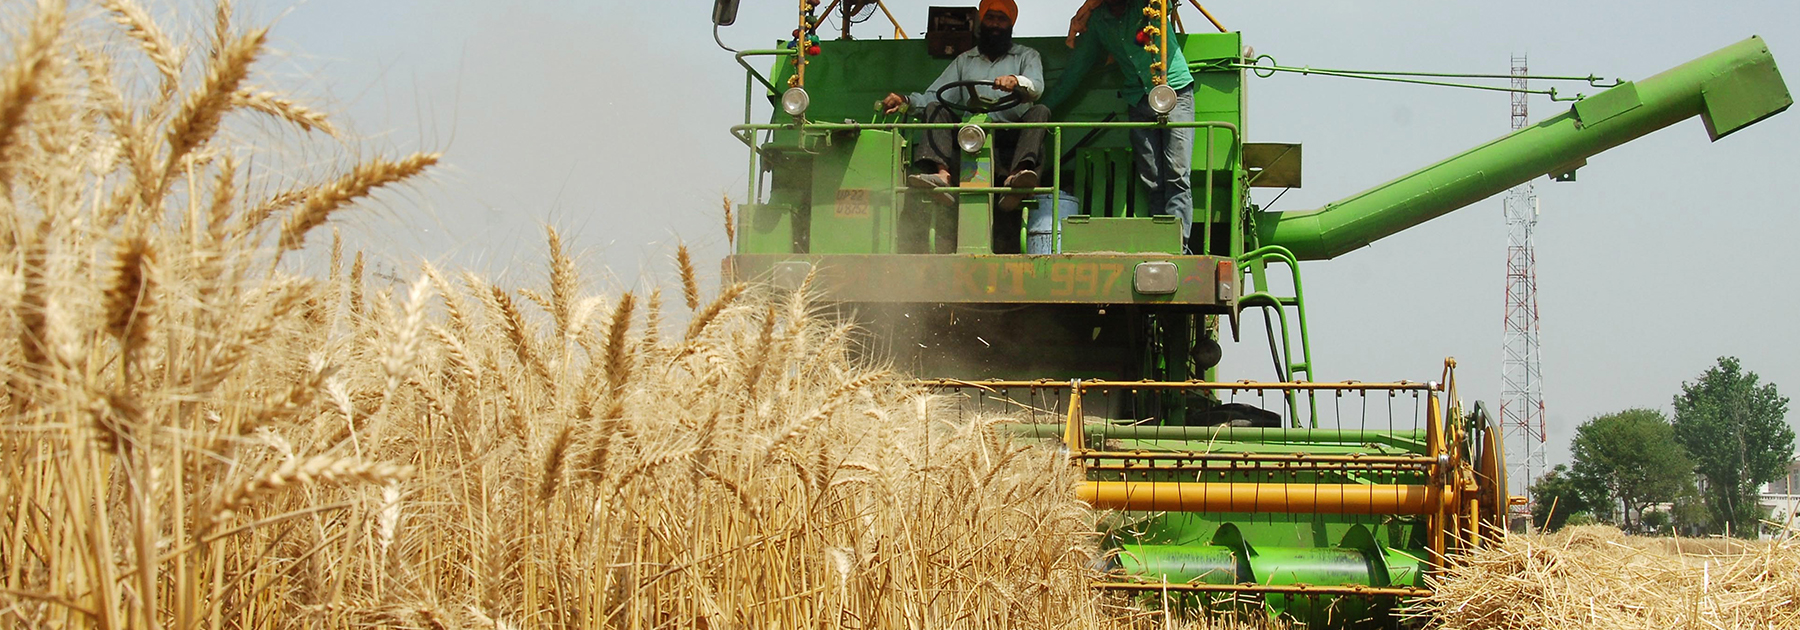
{"points": [[1012, 99]]}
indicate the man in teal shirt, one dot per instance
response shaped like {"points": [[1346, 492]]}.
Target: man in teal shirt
{"points": [[1164, 155]]}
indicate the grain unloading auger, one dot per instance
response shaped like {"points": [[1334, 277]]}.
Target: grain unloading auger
{"points": [[1328, 502]]}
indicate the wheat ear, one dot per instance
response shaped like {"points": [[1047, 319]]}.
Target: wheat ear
{"points": [[759, 357], [355, 280], [111, 102], [297, 398], [690, 285], [139, 27], [565, 283], [730, 224], [320, 470], [130, 299], [824, 410], [224, 196], [653, 319], [705, 317], [24, 79], [307, 119], [198, 119], [453, 304], [618, 364], [553, 463], [221, 22], [362, 180], [513, 324], [30, 311], [254, 216], [397, 359]]}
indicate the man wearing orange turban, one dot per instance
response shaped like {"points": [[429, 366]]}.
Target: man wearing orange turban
{"points": [[1012, 68]]}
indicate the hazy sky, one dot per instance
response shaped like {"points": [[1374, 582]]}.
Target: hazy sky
{"points": [[608, 120]]}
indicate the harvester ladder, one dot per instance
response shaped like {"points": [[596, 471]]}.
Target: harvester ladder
{"points": [[1255, 265]]}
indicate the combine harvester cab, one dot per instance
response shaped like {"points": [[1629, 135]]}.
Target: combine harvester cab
{"points": [[1329, 503]]}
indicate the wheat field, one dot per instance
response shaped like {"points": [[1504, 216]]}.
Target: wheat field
{"points": [[1593, 576], [208, 424]]}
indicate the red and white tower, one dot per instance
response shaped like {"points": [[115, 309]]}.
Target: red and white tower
{"points": [[1522, 383]]}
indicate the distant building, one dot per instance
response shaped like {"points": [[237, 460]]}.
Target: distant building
{"points": [[1781, 498]]}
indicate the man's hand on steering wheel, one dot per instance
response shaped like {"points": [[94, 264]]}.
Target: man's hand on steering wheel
{"points": [[1007, 83], [1009, 101], [892, 103]]}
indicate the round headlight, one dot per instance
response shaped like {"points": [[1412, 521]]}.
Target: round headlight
{"points": [[794, 101], [971, 138], [1162, 99]]}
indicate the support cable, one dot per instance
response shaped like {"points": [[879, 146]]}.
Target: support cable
{"points": [[1262, 70]]}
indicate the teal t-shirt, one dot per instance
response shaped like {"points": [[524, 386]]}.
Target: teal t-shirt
{"points": [[1116, 35]]}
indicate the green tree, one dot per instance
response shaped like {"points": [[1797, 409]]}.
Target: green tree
{"points": [[1737, 432], [1555, 498], [1690, 514], [1627, 461]]}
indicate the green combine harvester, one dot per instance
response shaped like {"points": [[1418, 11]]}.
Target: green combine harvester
{"points": [[1328, 503]]}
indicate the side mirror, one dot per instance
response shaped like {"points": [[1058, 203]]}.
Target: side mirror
{"points": [[725, 12]]}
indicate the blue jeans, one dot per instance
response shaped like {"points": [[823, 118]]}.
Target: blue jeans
{"points": [[1164, 158], [1040, 231]]}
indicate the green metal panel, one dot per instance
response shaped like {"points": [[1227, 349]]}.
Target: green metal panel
{"points": [[1731, 88], [957, 278], [855, 177], [1160, 234], [1105, 182], [975, 211], [766, 228], [1739, 99], [1218, 96], [1605, 105]]}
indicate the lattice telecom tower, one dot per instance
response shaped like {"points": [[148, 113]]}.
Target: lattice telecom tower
{"points": [[1522, 388]]}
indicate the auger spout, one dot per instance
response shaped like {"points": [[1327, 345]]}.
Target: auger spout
{"points": [[1730, 89]]}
